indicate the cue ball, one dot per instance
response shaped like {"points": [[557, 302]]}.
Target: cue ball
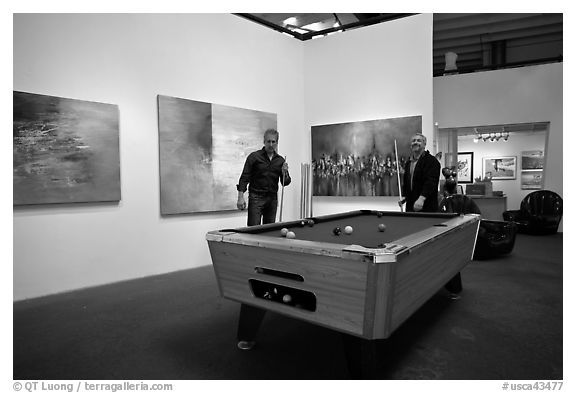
{"points": [[290, 235], [284, 231], [381, 227], [286, 298], [348, 230], [337, 231]]}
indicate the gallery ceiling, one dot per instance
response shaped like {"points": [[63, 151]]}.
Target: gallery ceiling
{"points": [[480, 41]]}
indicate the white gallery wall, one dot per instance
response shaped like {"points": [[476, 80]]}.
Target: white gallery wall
{"points": [[376, 72], [516, 95], [127, 60]]}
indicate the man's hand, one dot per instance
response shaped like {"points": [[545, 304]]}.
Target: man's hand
{"points": [[419, 204], [401, 202], [241, 204], [285, 167]]}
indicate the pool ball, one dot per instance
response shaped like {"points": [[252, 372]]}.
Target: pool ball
{"points": [[303, 223], [286, 298], [290, 235], [284, 231], [379, 214], [348, 230], [337, 231], [310, 223], [381, 227]]}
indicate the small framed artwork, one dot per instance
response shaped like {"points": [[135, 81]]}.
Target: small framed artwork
{"points": [[465, 167], [531, 180], [532, 159], [499, 168]]}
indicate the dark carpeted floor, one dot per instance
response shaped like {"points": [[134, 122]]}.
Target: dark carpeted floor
{"points": [[507, 325]]}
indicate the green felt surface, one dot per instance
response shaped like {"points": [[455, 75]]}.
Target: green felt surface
{"points": [[365, 228]]}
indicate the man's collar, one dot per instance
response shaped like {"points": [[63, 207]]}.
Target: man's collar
{"points": [[419, 157], [263, 150]]}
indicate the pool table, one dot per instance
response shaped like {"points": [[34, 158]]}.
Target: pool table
{"points": [[364, 284]]}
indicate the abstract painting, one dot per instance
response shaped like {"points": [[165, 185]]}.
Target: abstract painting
{"points": [[531, 180], [203, 148], [499, 168], [359, 158], [65, 150], [533, 159]]}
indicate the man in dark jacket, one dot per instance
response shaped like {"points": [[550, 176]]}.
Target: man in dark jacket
{"points": [[421, 178], [262, 171]]}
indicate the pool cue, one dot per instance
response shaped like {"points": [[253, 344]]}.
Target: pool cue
{"points": [[311, 189], [306, 191], [398, 173], [282, 195], [301, 190]]}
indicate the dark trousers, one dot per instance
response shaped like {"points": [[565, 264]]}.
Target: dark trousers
{"points": [[262, 208]]}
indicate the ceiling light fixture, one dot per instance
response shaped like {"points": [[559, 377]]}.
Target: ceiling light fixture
{"points": [[491, 136], [290, 21], [337, 24], [477, 136], [301, 30]]}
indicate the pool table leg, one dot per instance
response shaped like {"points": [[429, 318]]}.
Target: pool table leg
{"points": [[360, 356], [454, 286], [248, 324]]}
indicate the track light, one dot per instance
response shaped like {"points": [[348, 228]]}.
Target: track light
{"points": [[492, 136]]}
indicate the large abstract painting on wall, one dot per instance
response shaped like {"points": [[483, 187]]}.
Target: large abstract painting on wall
{"points": [[359, 159], [203, 148], [65, 150]]}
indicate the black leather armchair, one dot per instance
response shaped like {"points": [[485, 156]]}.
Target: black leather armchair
{"points": [[458, 203], [494, 238], [540, 213]]}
